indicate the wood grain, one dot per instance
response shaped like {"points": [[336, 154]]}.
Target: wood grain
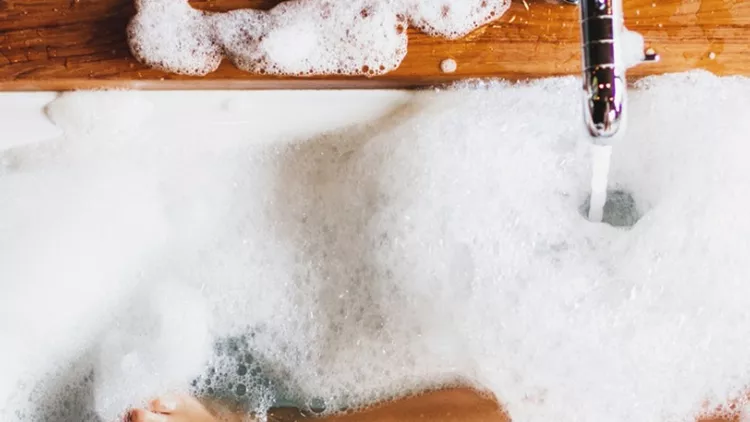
{"points": [[69, 44], [451, 405]]}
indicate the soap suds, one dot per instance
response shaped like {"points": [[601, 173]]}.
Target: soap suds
{"points": [[21, 112], [448, 66], [441, 244], [632, 47], [138, 359], [299, 37], [171, 35]]}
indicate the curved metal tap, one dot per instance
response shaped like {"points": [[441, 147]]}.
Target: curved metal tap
{"points": [[604, 82]]}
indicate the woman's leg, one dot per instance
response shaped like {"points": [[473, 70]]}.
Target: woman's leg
{"points": [[452, 405], [182, 408]]}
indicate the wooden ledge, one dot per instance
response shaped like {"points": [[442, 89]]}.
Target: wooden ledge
{"points": [[81, 44]]}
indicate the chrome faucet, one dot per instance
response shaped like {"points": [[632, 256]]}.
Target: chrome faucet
{"points": [[604, 82]]}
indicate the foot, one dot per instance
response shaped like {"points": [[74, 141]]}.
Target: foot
{"points": [[174, 408]]}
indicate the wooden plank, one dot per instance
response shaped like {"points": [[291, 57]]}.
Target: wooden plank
{"points": [[73, 44], [452, 405]]}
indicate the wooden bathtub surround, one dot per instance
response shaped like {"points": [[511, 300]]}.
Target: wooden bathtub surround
{"points": [[74, 44], [451, 405]]}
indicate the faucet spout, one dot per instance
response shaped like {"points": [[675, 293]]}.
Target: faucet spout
{"points": [[604, 67], [604, 82]]}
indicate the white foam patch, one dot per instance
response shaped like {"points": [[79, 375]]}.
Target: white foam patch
{"points": [[443, 243], [157, 346], [73, 235], [633, 47], [113, 209], [453, 18], [96, 113], [24, 122], [300, 37], [170, 34]]}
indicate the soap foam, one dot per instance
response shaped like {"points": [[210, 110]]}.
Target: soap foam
{"points": [[441, 245], [300, 37], [170, 34], [138, 359], [453, 18]]}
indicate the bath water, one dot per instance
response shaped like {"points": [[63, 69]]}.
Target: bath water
{"points": [[600, 161], [438, 242]]}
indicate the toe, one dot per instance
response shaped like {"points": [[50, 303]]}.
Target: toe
{"points": [[141, 415], [166, 404]]}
